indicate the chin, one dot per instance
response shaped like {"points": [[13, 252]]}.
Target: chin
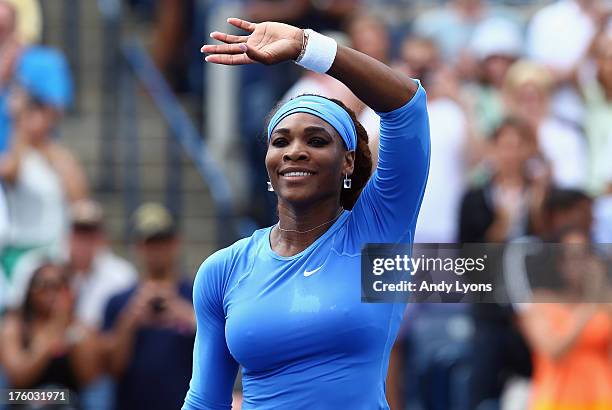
{"points": [[299, 196]]}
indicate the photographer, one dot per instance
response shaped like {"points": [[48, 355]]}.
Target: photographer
{"points": [[151, 326]]}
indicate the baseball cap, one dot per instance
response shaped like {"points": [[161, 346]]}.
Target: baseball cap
{"points": [[44, 74], [86, 214], [153, 221]]}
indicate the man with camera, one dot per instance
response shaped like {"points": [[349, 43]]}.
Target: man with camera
{"points": [[151, 327]]}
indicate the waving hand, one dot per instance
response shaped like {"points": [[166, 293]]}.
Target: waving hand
{"points": [[268, 43]]}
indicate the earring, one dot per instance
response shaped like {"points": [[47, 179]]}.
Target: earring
{"points": [[347, 182], [270, 187]]}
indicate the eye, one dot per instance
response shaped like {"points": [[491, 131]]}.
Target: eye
{"points": [[318, 141], [279, 142]]}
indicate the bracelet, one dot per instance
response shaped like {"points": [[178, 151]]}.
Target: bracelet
{"points": [[304, 44], [318, 52]]}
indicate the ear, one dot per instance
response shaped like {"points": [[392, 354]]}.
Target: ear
{"points": [[349, 163]]}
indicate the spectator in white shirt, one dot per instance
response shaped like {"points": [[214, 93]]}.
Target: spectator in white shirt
{"points": [[527, 89], [439, 216], [96, 273]]}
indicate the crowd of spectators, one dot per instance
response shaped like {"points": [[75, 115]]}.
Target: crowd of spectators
{"points": [[520, 107], [73, 314]]}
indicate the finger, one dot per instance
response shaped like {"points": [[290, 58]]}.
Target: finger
{"points": [[243, 24], [224, 48], [229, 59], [228, 38]]}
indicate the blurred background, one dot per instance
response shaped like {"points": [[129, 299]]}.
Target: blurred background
{"points": [[125, 161]]}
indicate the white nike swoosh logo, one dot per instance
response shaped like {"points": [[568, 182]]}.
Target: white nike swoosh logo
{"points": [[310, 272]]}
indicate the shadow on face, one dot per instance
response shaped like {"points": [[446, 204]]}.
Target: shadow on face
{"points": [[159, 255]]}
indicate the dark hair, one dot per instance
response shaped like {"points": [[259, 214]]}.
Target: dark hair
{"points": [[27, 308], [558, 199], [524, 129], [363, 157]]}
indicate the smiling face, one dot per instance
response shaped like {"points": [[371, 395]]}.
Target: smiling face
{"points": [[307, 160]]}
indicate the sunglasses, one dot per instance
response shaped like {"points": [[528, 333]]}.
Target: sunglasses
{"points": [[48, 285]]}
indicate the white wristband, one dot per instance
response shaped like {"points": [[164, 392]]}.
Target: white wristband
{"points": [[320, 52]]}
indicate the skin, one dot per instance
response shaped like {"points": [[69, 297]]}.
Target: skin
{"points": [[310, 201], [604, 64], [84, 245], [9, 45]]}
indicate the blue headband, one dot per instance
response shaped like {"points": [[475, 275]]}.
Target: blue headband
{"points": [[323, 108]]}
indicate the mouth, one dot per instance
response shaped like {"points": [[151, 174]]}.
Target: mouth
{"points": [[294, 173]]}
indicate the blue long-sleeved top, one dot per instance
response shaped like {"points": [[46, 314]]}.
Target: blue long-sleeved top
{"points": [[307, 341]]}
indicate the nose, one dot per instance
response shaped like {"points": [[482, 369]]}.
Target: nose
{"points": [[295, 152]]}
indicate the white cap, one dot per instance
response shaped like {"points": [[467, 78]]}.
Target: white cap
{"points": [[496, 36]]}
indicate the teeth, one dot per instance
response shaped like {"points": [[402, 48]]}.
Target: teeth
{"points": [[297, 174]]}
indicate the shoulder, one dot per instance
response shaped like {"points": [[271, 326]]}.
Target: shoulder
{"points": [[417, 103], [224, 258], [120, 299], [558, 132], [12, 326], [114, 265], [216, 272], [475, 194], [60, 152]]}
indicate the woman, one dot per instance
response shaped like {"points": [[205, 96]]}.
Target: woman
{"points": [[571, 337], [42, 345], [508, 205], [285, 302], [41, 176]]}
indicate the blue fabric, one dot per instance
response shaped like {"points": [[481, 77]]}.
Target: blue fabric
{"points": [[3, 385], [157, 376], [99, 394], [323, 108], [6, 122], [309, 342], [44, 73]]}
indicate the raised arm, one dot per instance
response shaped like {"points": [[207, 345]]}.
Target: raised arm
{"points": [[377, 85]]}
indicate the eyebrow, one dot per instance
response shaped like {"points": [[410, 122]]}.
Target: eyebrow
{"points": [[308, 130]]}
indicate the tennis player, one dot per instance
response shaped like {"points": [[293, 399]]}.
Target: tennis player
{"points": [[285, 302]]}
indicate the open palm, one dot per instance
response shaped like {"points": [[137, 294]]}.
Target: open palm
{"points": [[268, 43]]}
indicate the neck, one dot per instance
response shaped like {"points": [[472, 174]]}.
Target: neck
{"points": [[166, 276], [292, 218], [509, 178]]}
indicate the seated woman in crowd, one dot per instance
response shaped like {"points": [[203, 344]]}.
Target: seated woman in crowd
{"points": [[42, 344]]}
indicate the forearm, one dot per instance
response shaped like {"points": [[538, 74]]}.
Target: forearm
{"points": [[121, 346], [374, 83], [498, 231], [85, 359], [24, 368]]}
